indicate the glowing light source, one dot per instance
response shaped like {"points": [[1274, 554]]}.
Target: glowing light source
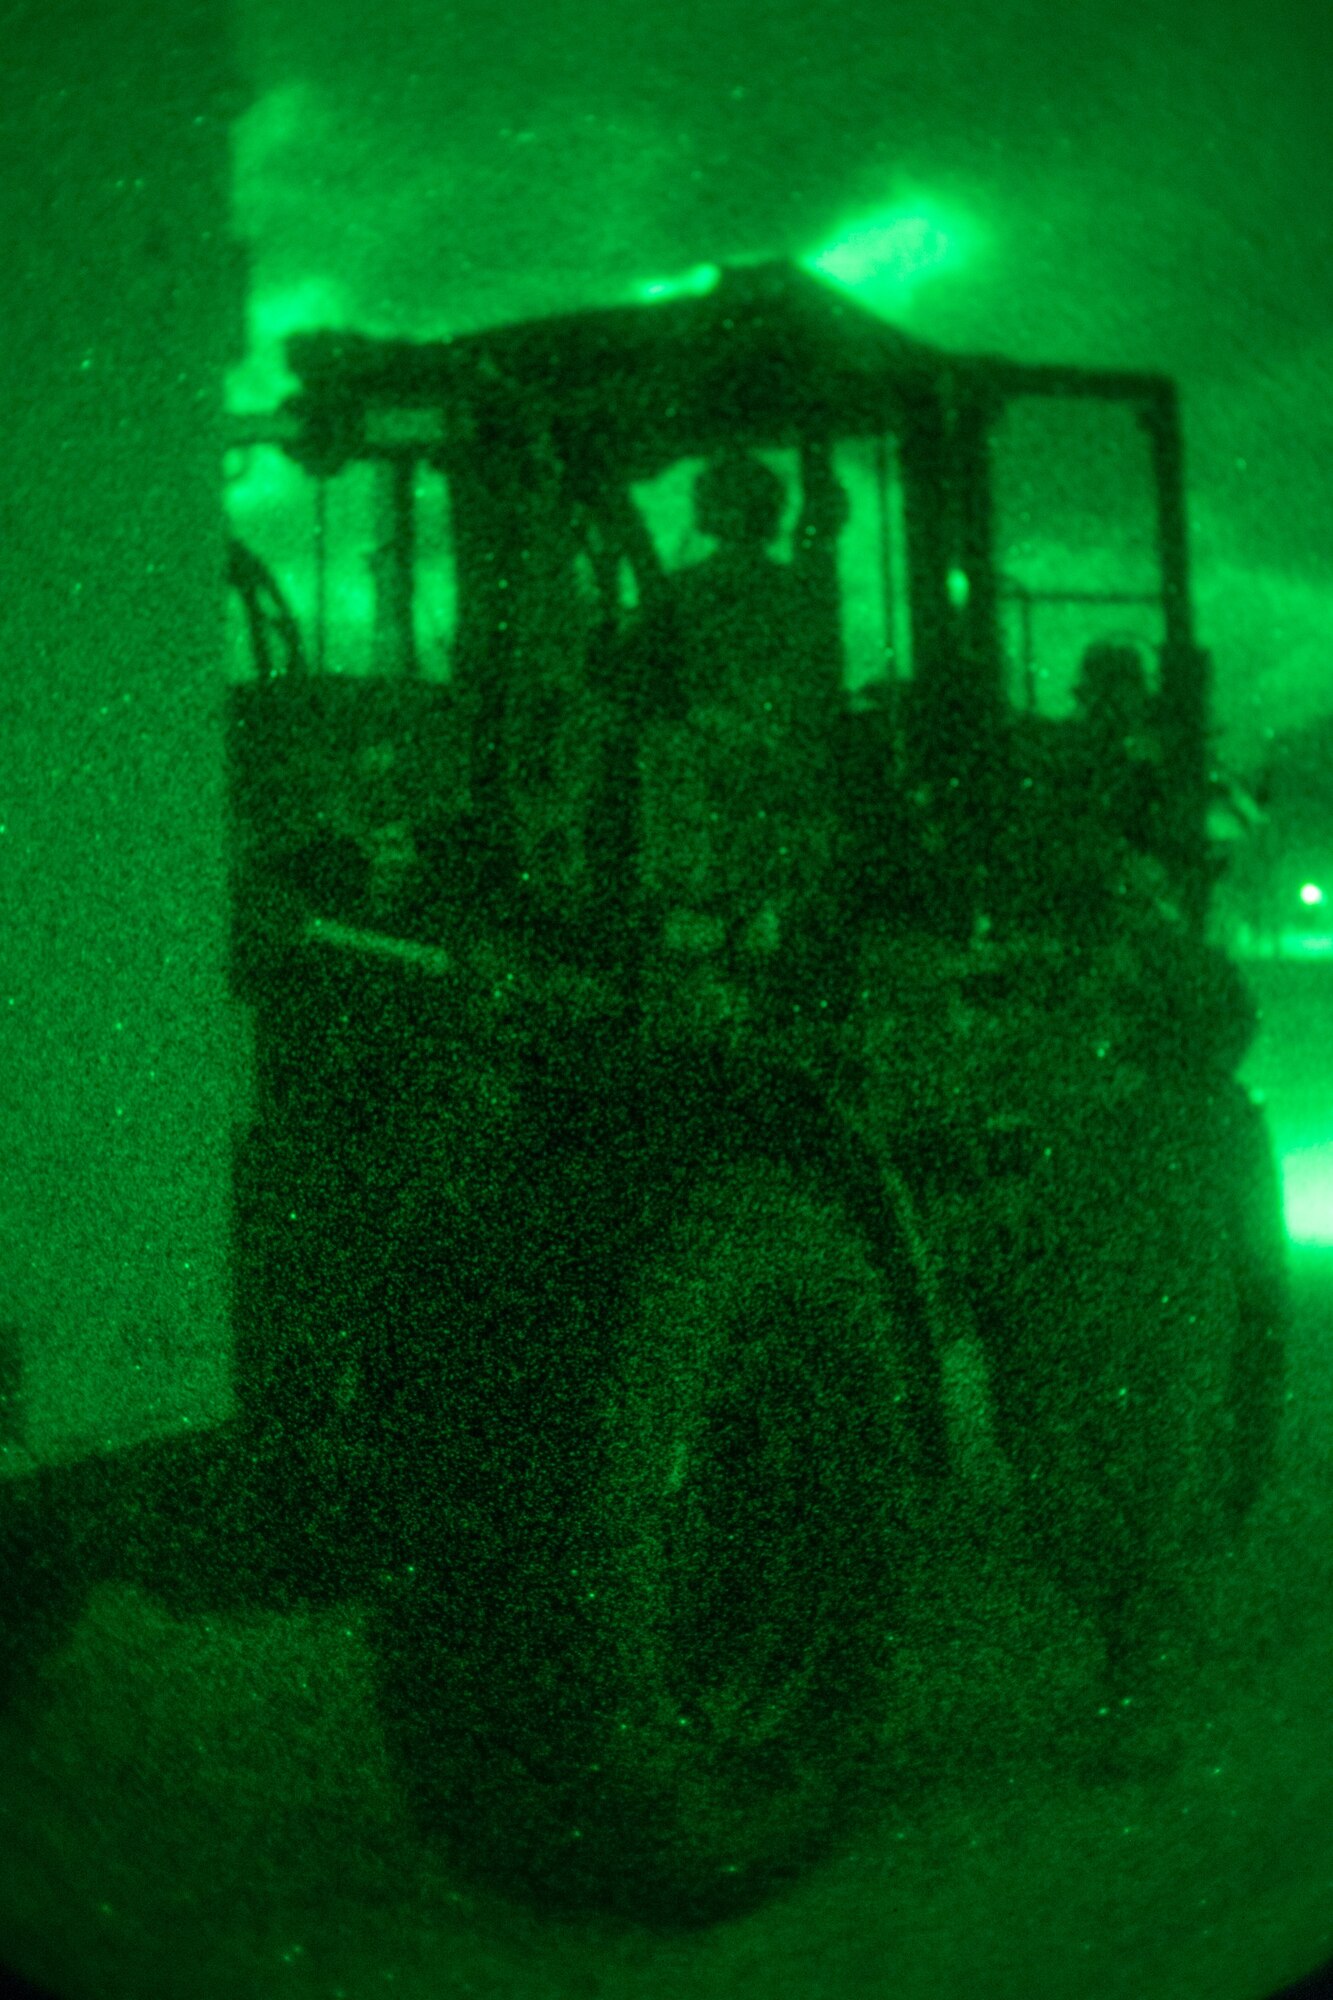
{"points": [[1305, 944], [1311, 894], [1307, 1194], [261, 380], [312, 302], [261, 480], [888, 255], [690, 284]]}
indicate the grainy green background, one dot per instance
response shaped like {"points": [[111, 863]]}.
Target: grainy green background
{"points": [[202, 1807]]}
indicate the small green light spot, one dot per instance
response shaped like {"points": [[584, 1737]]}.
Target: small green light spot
{"points": [[886, 251], [1307, 1193], [694, 283], [960, 588], [1311, 894]]}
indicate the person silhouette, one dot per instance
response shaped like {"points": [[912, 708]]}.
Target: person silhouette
{"points": [[747, 625], [1113, 740], [754, 647]]}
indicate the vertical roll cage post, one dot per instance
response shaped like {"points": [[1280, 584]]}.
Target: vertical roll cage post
{"points": [[632, 683], [951, 737], [393, 565], [1185, 688], [521, 520]]}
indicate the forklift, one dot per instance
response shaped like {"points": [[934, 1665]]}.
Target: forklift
{"points": [[733, 1083]]}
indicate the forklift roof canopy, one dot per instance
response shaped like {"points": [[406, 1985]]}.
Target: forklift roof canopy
{"points": [[771, 354]]}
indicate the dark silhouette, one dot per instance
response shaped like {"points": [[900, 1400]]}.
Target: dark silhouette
{"points": [[739, 612], [1088, 855], [1114, 748], [596, 1345], [751, 630], [755, 648]]}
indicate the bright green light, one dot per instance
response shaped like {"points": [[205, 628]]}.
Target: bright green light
{"points": [[265, 479], [1312, 894], [1307, 1194], [887, 254], [261, 381], [690, 284], [298, 308], [1305, 944]]}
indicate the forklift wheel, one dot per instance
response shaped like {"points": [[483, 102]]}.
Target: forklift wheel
{"points": [[661, 1694], [765, 1511]]}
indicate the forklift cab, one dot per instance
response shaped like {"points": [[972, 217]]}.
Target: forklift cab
{"points": [[505, 656]]}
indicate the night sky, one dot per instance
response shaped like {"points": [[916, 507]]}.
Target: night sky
{"points": [[1146, 187]]}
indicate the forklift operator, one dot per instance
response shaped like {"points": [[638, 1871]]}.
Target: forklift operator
{"points": [[1106, 799], [1114, 742], [759, 689], [738, 613]]}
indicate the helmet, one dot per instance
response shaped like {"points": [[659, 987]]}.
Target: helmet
{"points": [[738, 498]]}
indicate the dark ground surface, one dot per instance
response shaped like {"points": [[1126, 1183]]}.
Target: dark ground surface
{"points": [[203, 1806]]}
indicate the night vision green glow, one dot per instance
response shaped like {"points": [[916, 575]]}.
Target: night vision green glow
{"points": [[646, 1338], [1307, 1194], [261, 381], [887, 256], [695, 283]]}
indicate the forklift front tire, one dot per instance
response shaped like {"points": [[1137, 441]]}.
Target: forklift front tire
{"points": [[764, 1511]]}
